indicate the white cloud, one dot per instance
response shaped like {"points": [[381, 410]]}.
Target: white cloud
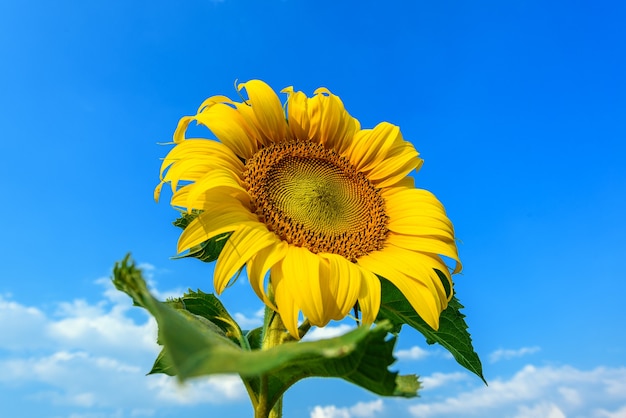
{"points": [[570, 395], [327, 332], [82, 354], [101, 328], [555, 391], [436, 380], [76, 378], [544, 410], [330, 411], [413, 353], [503, 354], [147, 269], [213, 389], [18, 325], [359, 410], [366, 409], [250, 323]]}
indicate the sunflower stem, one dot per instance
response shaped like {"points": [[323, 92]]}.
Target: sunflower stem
{"points": [[274, 334]]}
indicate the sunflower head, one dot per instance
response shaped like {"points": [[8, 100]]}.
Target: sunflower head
{"points": [[309, 197]]}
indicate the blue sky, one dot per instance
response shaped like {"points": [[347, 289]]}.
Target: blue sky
{"points": [[518, 109]]}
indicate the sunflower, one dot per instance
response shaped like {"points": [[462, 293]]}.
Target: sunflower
{"points": [[307, 195]]}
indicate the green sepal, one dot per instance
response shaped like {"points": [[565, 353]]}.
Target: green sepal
{"points": [[207, 251], [192, 347], [452, 333]]}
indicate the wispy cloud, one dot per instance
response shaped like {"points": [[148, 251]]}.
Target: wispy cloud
{"points": [[507, 354], [542, 409], [553, 392], [359, 410], [617, 413]]}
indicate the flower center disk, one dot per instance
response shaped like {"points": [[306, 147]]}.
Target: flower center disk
{"points": [[314, 198]]}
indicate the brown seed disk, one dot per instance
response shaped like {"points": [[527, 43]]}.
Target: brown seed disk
{"points": [[314, 198]]}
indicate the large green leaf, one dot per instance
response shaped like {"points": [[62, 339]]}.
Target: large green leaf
{"points": [[194, 345], [452, 333], [363, 359]]}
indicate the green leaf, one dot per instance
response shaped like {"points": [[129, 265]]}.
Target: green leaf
{"points": [[209, 307], [163, 364], [208, 251], [407, 384], [185, 219], [452, 333], [361, 357], [209, 310], [254, 338], [192, 348]]}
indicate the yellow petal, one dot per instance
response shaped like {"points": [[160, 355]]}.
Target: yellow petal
{"points": [[252, 125], [330, 123], [407, 182], [416, 212], [371, 148], [239, 248], [249, 125], [181, 128], [421, 225], [301, 271], [427, 244], [227, 125], [215, 180], [414, 281], [259, 265], [201, 151], [207, 201], [330, 310], [422, 267], [297, 113], [420, 220], [285, 302], [408, 196], [345, 283], [190, 163], [398, 163], [157, 192], [211, 223], [322, 119], [369, 296], [267, 109], [187, 170], [214, 100]]}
